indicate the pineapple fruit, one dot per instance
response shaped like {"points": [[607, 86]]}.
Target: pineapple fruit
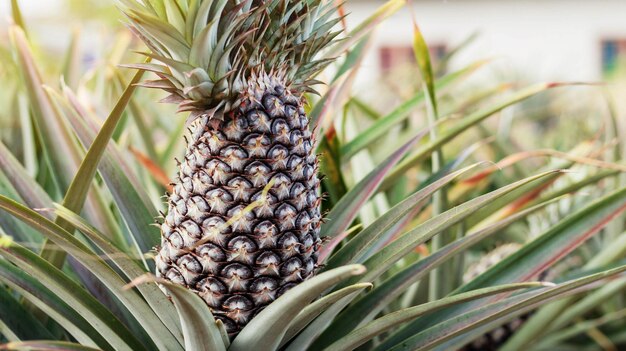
{"points": [[494, 339], [243, 219]]}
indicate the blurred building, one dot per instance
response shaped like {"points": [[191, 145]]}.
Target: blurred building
{"points": [[542, 39]]}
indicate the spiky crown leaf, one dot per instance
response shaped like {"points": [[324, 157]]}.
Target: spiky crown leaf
{"points": [[208, 50]]}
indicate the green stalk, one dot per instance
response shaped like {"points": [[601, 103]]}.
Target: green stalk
{"points": [[442, 278]]}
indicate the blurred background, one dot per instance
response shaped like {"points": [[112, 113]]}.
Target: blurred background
{"points": [[546, 39], [525, 41]]}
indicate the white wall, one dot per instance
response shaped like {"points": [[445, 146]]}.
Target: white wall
{"points": [[546, 40], [35, 9]]}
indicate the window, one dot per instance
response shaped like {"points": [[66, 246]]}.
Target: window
{"points": [[402, 55], [613, 56]]}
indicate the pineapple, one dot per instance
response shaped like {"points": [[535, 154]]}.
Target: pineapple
{"points": [[243, 219], [494, 339]]}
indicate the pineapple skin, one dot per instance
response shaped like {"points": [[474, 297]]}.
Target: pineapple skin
{"points": [[220, 238]]}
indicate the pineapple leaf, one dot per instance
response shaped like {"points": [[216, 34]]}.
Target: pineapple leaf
{"points": [[357, 249], [266, 330], [19, 321], [422, 55], [387, 256], [538, 254], [96, 314], [353, 58], [509, 307], [502, 206], [423, 152], [313, 310], [53, 305], [16, 16], [307, 336], [400, 113], [347, 208], [367, 307], [153, 296], [68, 243], [198, 324], [555, 243], [61, 149], [78, 189], [391, 320], [62, 153], [365, 27], [560, 313], [72, 62], [128, 192], [45, 346], [585, 327], [571, 307], [25, 186]]}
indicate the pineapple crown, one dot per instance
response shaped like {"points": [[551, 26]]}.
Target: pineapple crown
{"points": [[206, 52]]}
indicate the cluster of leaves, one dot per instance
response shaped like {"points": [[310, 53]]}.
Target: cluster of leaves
{"points": [[80, 188]]}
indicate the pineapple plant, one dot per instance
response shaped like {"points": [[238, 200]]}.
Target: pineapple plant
{"points": [[494, 339], [244, 259], [243, 219]]}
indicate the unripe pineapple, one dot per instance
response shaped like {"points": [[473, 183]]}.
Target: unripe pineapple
{"points": [[494, 339], [243, 219]]}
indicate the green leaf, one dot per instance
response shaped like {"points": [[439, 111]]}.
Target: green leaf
{"points": [[266, 330], [442, 279], [60, 146], [162, 33], [57, 308], [365, 27], [96, 314], [354, 57], [47, 345], [151, 293], [391, 320], [72, 62], [386, 257], [333, 182], [16, 15], [61, 152], [562, 312], [555, 243], [174, 15], [368, 306], [355, 250], [538, 254], [422, 55], [28, 189], [466, 322], [66, 241], [313, 310], [132, 201], [551, 341], [79, 187], [305, 338], [20, 322], [399, 114], [199, 327], [347, 208], [423, 152]]}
